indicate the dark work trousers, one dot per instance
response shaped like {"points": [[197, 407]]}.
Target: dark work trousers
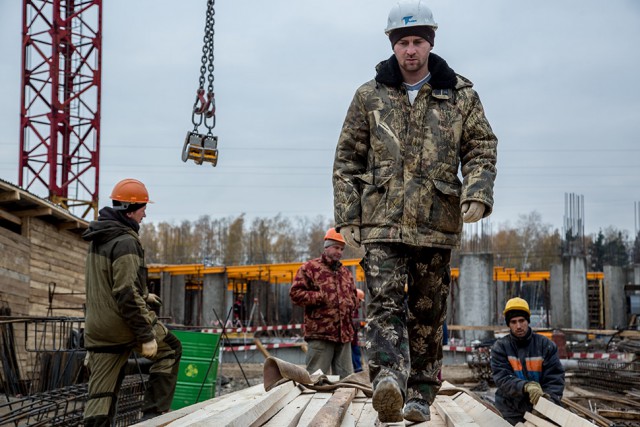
{"points": [[404, 331], [106, 375]]}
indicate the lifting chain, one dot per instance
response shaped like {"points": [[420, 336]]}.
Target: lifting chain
{"points": [[197, 146]]}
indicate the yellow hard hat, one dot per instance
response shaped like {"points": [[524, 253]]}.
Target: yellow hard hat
{"points": [[516, 304]]}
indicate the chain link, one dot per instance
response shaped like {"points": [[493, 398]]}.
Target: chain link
{"points": [[208, 116]]}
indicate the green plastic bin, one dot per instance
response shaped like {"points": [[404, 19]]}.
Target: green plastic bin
{"points": [[198, 368]]}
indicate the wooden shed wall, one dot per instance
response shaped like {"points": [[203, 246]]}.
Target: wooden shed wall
{"points": [[41, 256], [30, 263]]}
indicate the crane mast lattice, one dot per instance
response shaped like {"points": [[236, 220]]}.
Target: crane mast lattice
{"points": [[60, 111]]}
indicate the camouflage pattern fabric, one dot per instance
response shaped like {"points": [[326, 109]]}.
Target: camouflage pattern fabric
{"points": [[404, 331], [327, 292], [395, 172]]}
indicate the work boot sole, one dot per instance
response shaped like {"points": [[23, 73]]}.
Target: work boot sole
{"points": [[416, 415], [387, 401]]}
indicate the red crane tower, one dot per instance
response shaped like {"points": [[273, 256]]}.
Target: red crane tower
{"points": [[60, 112]]}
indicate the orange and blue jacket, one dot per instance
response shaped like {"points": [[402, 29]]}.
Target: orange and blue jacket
{"points": [[515, 362]]}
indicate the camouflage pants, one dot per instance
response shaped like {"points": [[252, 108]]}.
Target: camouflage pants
{"points": [[404, 330]]}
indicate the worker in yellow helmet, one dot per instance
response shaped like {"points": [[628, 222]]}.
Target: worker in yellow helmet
{"points": [[525, 365]]}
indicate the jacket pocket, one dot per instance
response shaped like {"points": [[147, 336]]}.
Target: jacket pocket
{"points": [[373, 199], [445, 215]]}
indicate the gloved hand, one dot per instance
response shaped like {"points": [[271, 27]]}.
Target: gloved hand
{"points": [[351, 235], [472, 211], [534, 391], [149, 349], [153, 299]]}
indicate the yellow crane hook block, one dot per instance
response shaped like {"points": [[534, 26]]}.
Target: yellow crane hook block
{"points": [[200, 148]]}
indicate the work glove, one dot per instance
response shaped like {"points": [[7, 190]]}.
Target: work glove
{"points": [[534, 391], [351, 235], [149, 349], [472, 211], [153, 299]]}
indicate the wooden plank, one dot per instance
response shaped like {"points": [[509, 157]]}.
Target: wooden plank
{"points": [[246, 413], [235, 399], [357, 406], [560, 415], [273, 410], [626, 415], [317, 402], [349, 420], [166, 419], [290, 414], [586, 413], [9, 196], [479, 412], [70, 225], [33, 212], [333, 412], [368, 416], [452, 413], [537, 421], [10, 217]]}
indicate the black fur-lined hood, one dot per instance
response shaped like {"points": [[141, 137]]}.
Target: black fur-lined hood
{"points": [[442, 76]]}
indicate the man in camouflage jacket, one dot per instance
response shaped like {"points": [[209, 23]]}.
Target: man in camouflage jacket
{"points": [[119, 315], [326, 290], [397, 192]]}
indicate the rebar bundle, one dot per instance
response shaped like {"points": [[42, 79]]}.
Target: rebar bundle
{"points": [[64, 407], [610, 375], [479, 363]]}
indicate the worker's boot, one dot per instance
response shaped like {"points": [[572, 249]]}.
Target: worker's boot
{"points": [[387, 401], [417, 410]]}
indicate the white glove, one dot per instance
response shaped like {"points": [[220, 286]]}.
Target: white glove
{"points": [[472, 211], [153, 299], [351, 235], [149, 349]]}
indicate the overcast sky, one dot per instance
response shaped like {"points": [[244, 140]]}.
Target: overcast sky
{"points": [[558, 80]]}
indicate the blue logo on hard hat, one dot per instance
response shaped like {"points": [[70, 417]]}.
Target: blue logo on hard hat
{"points": [[408, 19]]}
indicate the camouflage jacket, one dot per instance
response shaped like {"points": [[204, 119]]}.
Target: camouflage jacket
{"points": [[117, 316], [395, 172], [327, 292]]}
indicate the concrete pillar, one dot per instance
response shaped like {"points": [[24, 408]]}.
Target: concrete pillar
{"points": [[476, 304], [615, 312], [576, 274], [175, 309], [559, 316], [214, 290], [501, 301], [165, 294], [636, 275]]}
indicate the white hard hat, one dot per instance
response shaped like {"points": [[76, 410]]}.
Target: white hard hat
{"points": [[410, 13]]}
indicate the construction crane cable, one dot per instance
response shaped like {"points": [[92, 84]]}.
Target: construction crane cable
{"points": [[203, 147], [204, 106]]}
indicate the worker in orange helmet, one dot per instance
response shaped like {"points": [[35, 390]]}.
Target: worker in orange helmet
{"points": [[525, 365], [120, 311], [327, 291]]}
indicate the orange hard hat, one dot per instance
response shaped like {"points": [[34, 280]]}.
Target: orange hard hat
{"points": [[360, 294], [130, 190], [332, 234]]}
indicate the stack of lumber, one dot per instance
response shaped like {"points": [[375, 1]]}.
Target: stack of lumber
{"points": [[290, 405]]}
